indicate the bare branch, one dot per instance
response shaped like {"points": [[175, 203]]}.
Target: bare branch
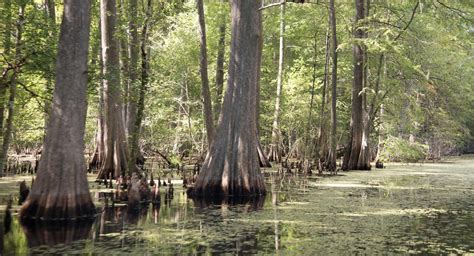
{"points": [[458, 12], [409, 22], [272, 5], [32, 93]]}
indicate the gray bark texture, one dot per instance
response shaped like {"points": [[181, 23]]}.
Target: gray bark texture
{"points": [[275, 153], [61, 190], [97, 159], [232, 164], [205, 91], [355, 157], [134, 71], [220, 63], [6, 12], [263, 160], [124, 61], [332, 149], [308, 150], [140, 104], [7, 135], [322, 135], [50, 13], [115, 142]]}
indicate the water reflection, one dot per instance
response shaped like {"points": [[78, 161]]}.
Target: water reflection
{"points": [[247, 203], [216, 215], [115, 217], [49, 233], [361, 213]]}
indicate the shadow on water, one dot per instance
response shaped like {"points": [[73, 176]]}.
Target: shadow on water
{"points": [[249, 203], [50, 233]]}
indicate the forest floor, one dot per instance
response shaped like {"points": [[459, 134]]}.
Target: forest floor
{"points": [[403, 209]]}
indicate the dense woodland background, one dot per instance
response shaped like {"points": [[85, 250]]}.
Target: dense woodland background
{"points": [[419, 75]]}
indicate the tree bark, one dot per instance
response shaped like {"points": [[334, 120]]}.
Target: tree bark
{"points": [[232, 164], [331, 164], [358, 138], [13, 80], [50, 11], [115, 143], [322, 136], [178, 127], [135, 135], [263, 160], [364, 155], [220, 62], [275, 151], [124, 63], [381, 131], [134, 70], [309, 146], [61, 190], [3, 80], [97, 159], [205, 91]]}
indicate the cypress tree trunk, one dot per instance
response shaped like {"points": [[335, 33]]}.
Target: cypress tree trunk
{"points": [[11, 99], [220, 62], [232, 164], [50, 13], [134, 71], [322, 135], [309, 147], [263, 160], [124, 63], [364, 155], [6, 50], [61, 190], [140, 106], [358, 138], [178, 126], [206, 93], [97, 159], [115, 143], [275, 151], [332, 149]]}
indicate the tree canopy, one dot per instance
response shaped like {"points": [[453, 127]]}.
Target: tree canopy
{"points": [[423, 82]]}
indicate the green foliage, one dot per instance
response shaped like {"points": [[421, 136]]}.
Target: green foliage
{"points": [[15, 242], [175, 160], [425, 84], [402, 150]]}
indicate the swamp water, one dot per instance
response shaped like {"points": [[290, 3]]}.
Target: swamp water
{"points": [[415, 209]]}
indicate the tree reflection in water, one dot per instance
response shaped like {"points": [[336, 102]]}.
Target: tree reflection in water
{"points": [[248, 204], [243, 240], [301, 215], [51, 233]]}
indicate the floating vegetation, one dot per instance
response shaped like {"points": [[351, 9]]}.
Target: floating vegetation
{"points": [[403, 209]]}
